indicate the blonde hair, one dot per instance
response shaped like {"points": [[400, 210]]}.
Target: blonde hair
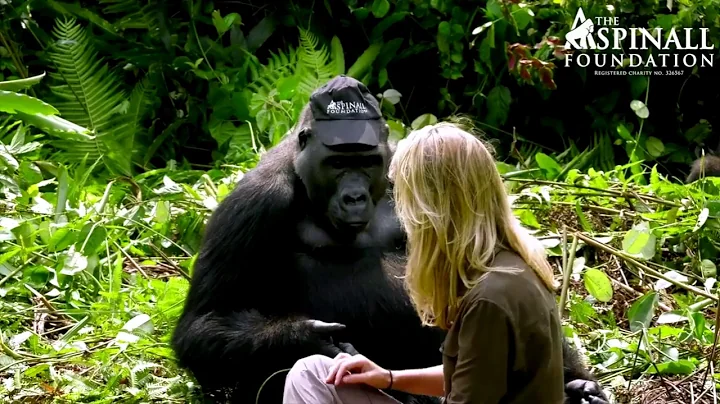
{"points": [[452, 203]]}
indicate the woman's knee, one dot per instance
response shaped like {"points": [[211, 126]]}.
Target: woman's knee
{"points": [[317, 365]]}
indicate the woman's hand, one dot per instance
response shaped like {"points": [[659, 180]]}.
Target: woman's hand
{"points": [[357, 369]]}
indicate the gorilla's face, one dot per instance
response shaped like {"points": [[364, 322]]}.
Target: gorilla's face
{"points": [[343, 182]]}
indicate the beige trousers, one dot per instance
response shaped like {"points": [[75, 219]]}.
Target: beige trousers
{"points": [[305, 384]]}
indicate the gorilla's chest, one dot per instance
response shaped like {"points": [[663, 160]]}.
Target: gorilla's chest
{"points": [[346, 280]]}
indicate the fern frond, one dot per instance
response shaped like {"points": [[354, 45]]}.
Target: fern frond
{"points": [[264, 78], [89, 93], [135, 14], [128, 123], [315, 63]]}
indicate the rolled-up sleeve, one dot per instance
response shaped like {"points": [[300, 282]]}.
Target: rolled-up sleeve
{"points": [[484, 351]]}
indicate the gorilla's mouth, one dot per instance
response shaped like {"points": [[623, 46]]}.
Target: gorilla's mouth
{"points": [[359, 225], [353, 226]]}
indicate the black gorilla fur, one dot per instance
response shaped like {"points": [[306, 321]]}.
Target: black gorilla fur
{"points": [[274, 257], [706, 166]]}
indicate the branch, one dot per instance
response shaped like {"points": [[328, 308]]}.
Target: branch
{"points": [[650, 271]]}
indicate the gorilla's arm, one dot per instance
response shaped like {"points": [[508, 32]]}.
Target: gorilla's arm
{"points": [[579, 382], [238, 280]]}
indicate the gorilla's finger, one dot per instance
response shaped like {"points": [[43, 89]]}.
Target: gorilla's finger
{"points": [[575, 389], [323, 327], [592, 390], [347, 347], [329, 350]]}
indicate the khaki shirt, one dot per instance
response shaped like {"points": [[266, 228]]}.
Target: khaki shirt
{"points": [[506, 343]]}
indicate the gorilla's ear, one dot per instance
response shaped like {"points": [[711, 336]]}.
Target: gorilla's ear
{"points": [[303, 137]]}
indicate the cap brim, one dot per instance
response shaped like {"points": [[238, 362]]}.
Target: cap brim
{"points": [[345, 131]]}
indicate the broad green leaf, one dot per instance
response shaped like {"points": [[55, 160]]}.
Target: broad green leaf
{"points": [[232, 19], [162, 212], [523, 17], [397, 130], [713, 208], [73, 263], [624, 133], [527, 217], [708, 268], [12, 103], [386, 23], [382, 77], [392, 95], [21, 84], [380, 8], [91, 239], [37, 276], [598, 284], [642, 311], [699, 132], [223, 24], [697, 320], [640, 109], [423, 120], [494, 9], [654, 146], [679, 367], [365, 61], [640, 242], [29, 172], [58, 126], [61, 239], [498, 105], [337, 55], [548, 165]]}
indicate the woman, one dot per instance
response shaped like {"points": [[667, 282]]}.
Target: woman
{"points": [[471, 270]]}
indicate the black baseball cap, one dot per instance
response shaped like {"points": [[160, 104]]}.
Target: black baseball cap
{"points": [[345, 112]]}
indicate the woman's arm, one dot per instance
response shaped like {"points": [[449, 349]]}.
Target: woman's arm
{"points": [[361, 370], [427, 382]]}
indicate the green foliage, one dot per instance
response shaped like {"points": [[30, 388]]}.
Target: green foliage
{"points": [[91, 96], [598, 284], [97, 254], [103, 207], [37, 112]]}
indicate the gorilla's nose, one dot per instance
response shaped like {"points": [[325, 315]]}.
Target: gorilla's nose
{"points": [[355, 199]]}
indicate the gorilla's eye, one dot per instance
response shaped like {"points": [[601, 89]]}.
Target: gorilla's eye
{"points": [[372, 161], [336, 162]]}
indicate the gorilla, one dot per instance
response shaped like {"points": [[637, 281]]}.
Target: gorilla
{"points": [[305, 257], [706, 166]]}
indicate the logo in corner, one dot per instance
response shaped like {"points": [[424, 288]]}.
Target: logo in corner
{"points": [[616, 49], [580, 35], [345, 107]]}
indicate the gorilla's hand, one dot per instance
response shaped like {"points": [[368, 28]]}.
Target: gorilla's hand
{"points": [[348, 348], [323, 332], [580, 389]]}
